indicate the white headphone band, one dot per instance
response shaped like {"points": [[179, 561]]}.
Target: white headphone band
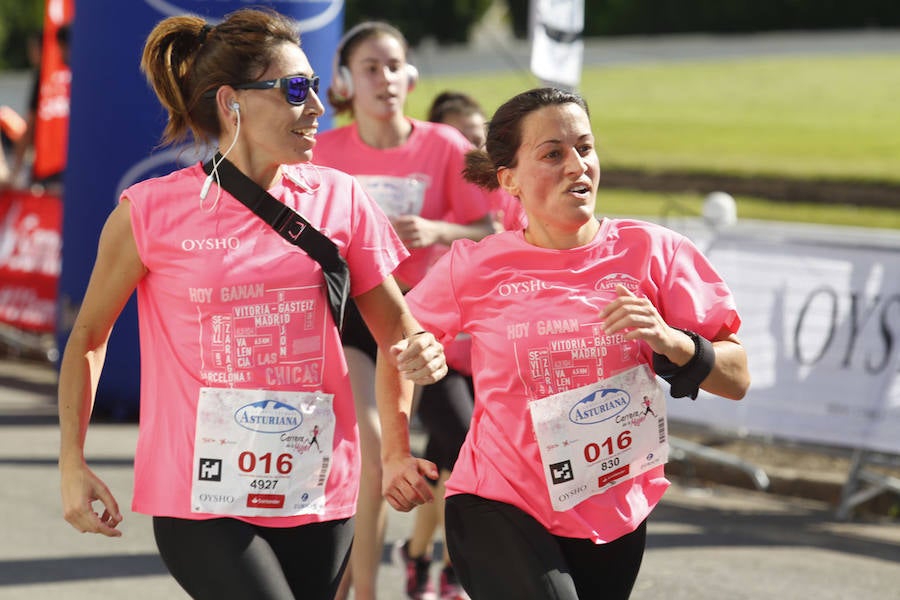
{"points": [[341, 82]]}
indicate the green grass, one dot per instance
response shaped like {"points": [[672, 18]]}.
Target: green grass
{"points": [[654, 205], [817, 117], [811, 117]]}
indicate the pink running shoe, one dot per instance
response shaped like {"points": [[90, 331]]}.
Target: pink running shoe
{"points": [[418, 584], [450, 586]]}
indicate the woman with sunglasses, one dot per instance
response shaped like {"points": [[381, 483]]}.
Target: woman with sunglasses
{"points": [[414, 170], [247, 456], [570, 318]]}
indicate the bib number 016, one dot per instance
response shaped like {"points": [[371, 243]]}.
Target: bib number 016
{"points": [[594, 451], [248, 461]]}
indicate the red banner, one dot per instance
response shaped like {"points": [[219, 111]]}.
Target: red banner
{"points": [[30, 243], [51, 130]]}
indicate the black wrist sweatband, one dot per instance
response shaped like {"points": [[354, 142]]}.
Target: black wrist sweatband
{"points": [[685, 380]]}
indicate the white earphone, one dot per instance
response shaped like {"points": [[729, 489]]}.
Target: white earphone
{"points": [[215, 173], [342, 79]]}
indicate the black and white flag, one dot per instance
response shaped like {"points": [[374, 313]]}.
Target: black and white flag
{"points": [[557, 47]]}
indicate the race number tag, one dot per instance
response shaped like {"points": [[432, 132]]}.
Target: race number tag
{"points": [[395, 195], [262, 453], [597, 436]]}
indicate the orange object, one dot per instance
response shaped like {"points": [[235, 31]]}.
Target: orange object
{"points": [[51, 129]]}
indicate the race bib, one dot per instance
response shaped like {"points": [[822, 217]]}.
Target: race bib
{"points": [[395, 195], [262, 453], [599, 435]]}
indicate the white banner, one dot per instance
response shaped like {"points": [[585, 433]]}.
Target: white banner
{"points": [[821, 325], [557, 43]]}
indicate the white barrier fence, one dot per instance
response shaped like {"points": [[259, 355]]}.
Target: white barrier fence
{"points": [[821, 325]]}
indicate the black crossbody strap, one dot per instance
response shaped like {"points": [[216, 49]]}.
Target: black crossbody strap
{"points": [[292, 227]]}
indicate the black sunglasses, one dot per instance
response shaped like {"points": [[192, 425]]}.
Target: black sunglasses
{"points": [[296, 87]]}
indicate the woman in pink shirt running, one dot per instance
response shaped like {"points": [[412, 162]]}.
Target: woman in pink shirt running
{"points": [[413, 169], [569, 320], [248, 452]]}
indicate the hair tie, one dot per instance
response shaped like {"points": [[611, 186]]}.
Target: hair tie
{"points": [[204, 31]]}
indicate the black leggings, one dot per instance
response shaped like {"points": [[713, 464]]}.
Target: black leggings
{"points": [[445, 410], [355, 333], [500, 552], [228, 559]]}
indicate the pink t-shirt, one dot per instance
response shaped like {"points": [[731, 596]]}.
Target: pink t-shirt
{"points": [[228, 303], [423, 176], [532, 314]]}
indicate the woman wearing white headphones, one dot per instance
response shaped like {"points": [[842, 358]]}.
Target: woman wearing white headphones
{"points": [[413, 169]]}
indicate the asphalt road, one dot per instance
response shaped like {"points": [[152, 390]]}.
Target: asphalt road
{"points": [[704, 544]]}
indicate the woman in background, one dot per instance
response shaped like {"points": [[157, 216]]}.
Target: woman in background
{"points": [[413, 169], [465, 113]]}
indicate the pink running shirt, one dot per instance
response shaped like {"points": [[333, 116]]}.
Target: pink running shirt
{"points": [[533, 315], [227, 302], [431, 160]]}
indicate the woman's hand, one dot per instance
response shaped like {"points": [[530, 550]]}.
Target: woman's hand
{"points": [[418, 232], [80, 489], [637, 319], [415, 231], [420, 358], [403, 481]]}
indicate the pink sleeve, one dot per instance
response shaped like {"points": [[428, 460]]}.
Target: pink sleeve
{"points": [[433, 300], [694, 296], [135, 196]]}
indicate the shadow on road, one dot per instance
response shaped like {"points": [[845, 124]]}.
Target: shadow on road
{"points": [[55, 570], [726, 527]]}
